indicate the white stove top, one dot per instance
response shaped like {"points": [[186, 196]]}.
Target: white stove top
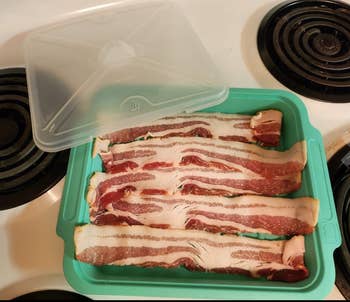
{"points": [[31, 253]]}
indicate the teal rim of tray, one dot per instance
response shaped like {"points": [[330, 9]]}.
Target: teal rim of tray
{"points": [[181, 283]]}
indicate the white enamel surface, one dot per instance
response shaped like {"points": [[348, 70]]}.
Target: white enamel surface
{"points": [[31, 253]]}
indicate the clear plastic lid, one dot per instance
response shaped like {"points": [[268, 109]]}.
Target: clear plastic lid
{"points": [[115, 67]]}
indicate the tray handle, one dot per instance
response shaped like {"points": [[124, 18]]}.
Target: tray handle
{"points": [[328, 221], [73, 190]]}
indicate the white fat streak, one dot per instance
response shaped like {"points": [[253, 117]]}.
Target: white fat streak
{"points": [[202, 253]]}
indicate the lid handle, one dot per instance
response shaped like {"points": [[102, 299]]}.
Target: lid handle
{"points": [[116, 51]]}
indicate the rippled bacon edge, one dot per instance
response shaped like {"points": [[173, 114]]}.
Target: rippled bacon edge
{"points": [[263, 128], [243, 214], [281, 260]]}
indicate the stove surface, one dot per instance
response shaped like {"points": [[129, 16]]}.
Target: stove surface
{"points": [[32, 253], [306, 46], [26, 171]]}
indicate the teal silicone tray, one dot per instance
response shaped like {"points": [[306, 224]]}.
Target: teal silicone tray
{"points": [[181, 283]]}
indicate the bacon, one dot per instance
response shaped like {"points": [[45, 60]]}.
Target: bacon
{"points": [[243, 214], [213, 154], [187, 181], [281, 260], [263, 128], [199, 166]]}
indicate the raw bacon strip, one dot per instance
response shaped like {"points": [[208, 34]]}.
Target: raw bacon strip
{"points": [[196, 250], [161, 153], [243, 214], [263, 128], [105, 188]]}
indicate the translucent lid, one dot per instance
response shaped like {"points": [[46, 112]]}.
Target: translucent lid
{"points": [[115, 67]]}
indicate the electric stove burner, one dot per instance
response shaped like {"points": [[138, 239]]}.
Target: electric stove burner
{"points": [[305, 44], [52, 295], [26, 172], [339, 170]]}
